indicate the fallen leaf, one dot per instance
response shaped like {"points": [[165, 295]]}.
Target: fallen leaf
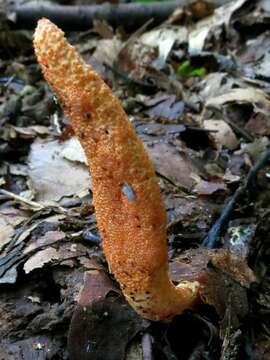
{"points": [[101, 324], [9, 219], [18, 169], [171, 163], [212, 24], [52, 175], [253, 96], [224, 278], [218, 83], [255, 54], [50, 237], [27, 231], [29, 132], [73, 151], [39, 259], [107, 50], [222, 134], [10, 276], [209, 187], [96, 286], [164, 38], [255, 148], [6, 233], [258, 124], [160, 129], [166, 107]]}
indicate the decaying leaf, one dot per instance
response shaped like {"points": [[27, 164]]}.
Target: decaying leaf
{"points": [[172, 164], [164, 39], [40, 259], [208, 187], [222, 134], [253, 96], [218, 83], [101, 324], [49, 238], [52, 175], [29, 132], [6, 232], [226, 277], [9, 219], [212, 25], [167, 107]]}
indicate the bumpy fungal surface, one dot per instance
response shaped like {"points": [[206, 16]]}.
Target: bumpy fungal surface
{"points": [[130, 214]]}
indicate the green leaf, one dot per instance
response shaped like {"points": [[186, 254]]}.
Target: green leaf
{"points": [[185, 69]]}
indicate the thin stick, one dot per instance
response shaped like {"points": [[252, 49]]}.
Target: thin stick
{"points": [[22, 199], [210, 240]]}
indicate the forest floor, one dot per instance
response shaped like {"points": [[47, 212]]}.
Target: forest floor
{"points": [[197, 90]]}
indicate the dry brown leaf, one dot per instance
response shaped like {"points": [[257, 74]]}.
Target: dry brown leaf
{"points": [[258, 124], [171, 163], [52, 175], [101, 324], [41, 258], [164, 38], [49, 238], [253, 96], [107, 51], [222, 134], [214, 23]]}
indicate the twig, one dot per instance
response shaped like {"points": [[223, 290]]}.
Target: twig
{"points": [[74, 18], [21, 199], [130, 15], [211, 239]]}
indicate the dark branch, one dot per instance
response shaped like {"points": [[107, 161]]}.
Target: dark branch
{"points": [[71, 18], [211, 239]]}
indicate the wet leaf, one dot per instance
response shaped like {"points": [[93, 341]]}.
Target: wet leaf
{"points": [[101, 324]]}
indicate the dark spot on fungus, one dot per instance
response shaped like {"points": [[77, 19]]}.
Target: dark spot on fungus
{"points": [[82, 135]]}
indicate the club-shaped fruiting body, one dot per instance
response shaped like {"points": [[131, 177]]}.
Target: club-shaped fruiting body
{"points": [[130, 213]]}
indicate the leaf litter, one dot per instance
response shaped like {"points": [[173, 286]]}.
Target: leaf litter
{"points": [[196, 88]]}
